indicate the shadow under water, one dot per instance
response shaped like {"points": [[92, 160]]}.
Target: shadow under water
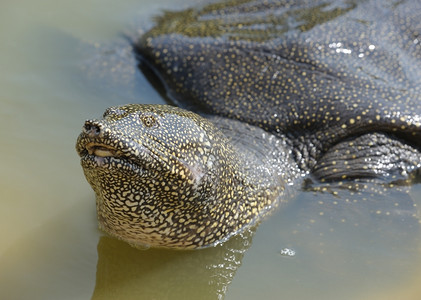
{"points": [[125, 272], [358, 236], [343, 240]]}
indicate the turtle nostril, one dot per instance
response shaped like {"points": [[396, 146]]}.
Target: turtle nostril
{"points": [[92, 129]]}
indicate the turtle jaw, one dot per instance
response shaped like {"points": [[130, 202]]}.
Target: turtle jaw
{"points": [[95, 149], [101, 150]]}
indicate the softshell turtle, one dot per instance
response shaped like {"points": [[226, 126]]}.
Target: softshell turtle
{"points": [[279, 91]]}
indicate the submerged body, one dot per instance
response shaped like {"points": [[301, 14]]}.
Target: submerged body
{"points": [[332, 90]]}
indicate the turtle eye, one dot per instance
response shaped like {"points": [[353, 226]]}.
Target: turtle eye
{"points": [[148, 121]]}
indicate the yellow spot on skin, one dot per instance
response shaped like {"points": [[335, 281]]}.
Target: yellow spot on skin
{"points": [[237, 83]]}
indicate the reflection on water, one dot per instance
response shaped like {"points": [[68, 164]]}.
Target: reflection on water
{"points": [[50, 246], [340, 249], [128, 273]]}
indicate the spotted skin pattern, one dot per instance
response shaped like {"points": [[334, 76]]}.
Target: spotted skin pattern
{"points": [[168, 177], [282, 89], [319, 82]]}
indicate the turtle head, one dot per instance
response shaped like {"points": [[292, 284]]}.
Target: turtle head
{"points": [[157, 171]]}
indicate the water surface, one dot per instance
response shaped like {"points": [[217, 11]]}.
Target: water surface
{"points": [[63, 62]]}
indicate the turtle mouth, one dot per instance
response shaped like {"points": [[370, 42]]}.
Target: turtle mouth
{"points": [[98, 155], [112, 153], [102, 150]]}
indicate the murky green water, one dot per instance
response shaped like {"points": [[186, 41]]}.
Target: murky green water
{"points": [[62, 62]]}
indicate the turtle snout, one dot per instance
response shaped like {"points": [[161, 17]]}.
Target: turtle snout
{"points": [[92, 128]]}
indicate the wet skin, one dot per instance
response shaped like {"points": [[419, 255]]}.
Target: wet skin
{"points": [[281, 91]]}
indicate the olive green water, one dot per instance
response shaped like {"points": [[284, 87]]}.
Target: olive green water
{"points": [[50, 247]]}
